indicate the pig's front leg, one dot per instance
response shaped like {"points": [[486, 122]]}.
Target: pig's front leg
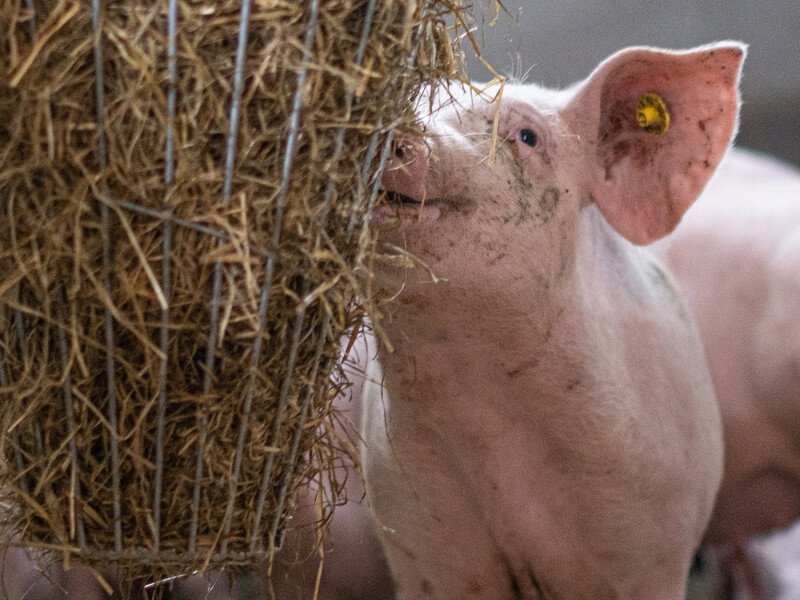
{"points": [[434, 532]]}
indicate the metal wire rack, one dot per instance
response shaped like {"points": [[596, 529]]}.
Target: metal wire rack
{"points": [[368, 182]]}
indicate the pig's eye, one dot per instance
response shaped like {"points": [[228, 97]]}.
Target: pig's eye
{"points": [[528, 137]]}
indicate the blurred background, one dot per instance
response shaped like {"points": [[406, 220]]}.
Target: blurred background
{"points": [[559, 42]]}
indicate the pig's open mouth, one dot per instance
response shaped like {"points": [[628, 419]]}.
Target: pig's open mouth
{"points": [[396, 199], [406, 209]]}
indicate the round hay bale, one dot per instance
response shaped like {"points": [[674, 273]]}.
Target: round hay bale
{"points": [[185, 189]]}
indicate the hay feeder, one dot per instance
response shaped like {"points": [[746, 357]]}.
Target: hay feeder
{"points": [[185, 192]]}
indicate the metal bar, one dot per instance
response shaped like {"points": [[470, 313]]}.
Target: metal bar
{"points": [[362, 43], [32, 23], [166, 215], [72, 445], [23, 344], [386, 148], [37, 433], [302, 420], [15, 435], [278, 423], [340, 133], [371, 149], [23, 341], [376, 184], [32, 27], [288, 161], [39, 440], [3, 376], [106, 274], [112, 402], [211, 348], [169, 557], [338, 147], [172, 74], [98, 87], [169, 170], [236, 103], [248, 402]]}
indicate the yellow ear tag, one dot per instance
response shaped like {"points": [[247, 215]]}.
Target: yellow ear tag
{"points": [[652, 114]]}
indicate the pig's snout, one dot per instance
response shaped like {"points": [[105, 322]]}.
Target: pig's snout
{"points": [[406, 171]]}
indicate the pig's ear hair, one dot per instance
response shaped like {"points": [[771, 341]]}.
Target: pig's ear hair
{"points": [[656, 123]]}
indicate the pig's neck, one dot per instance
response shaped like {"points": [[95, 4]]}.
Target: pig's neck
{"points": [[574, 343], [539, 313]]}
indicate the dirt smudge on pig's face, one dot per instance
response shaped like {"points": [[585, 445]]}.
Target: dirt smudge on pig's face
{"points": [[548, 202]]}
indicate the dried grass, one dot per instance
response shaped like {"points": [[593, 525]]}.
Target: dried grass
{"points": [[88, 215]]}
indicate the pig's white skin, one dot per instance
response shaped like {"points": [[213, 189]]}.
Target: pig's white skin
{"points": [[737, 257], [546, 427]]}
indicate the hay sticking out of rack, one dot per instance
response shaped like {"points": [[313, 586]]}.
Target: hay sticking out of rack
{"points": [[181, 248]]}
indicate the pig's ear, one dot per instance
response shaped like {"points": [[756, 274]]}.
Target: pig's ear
{"points": [[657, 124]]}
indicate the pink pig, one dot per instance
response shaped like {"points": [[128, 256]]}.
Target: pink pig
{"points": [[546, 426], [737, 258]]}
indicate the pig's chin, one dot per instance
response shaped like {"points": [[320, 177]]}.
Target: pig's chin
{"points": [[404, 209]]}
